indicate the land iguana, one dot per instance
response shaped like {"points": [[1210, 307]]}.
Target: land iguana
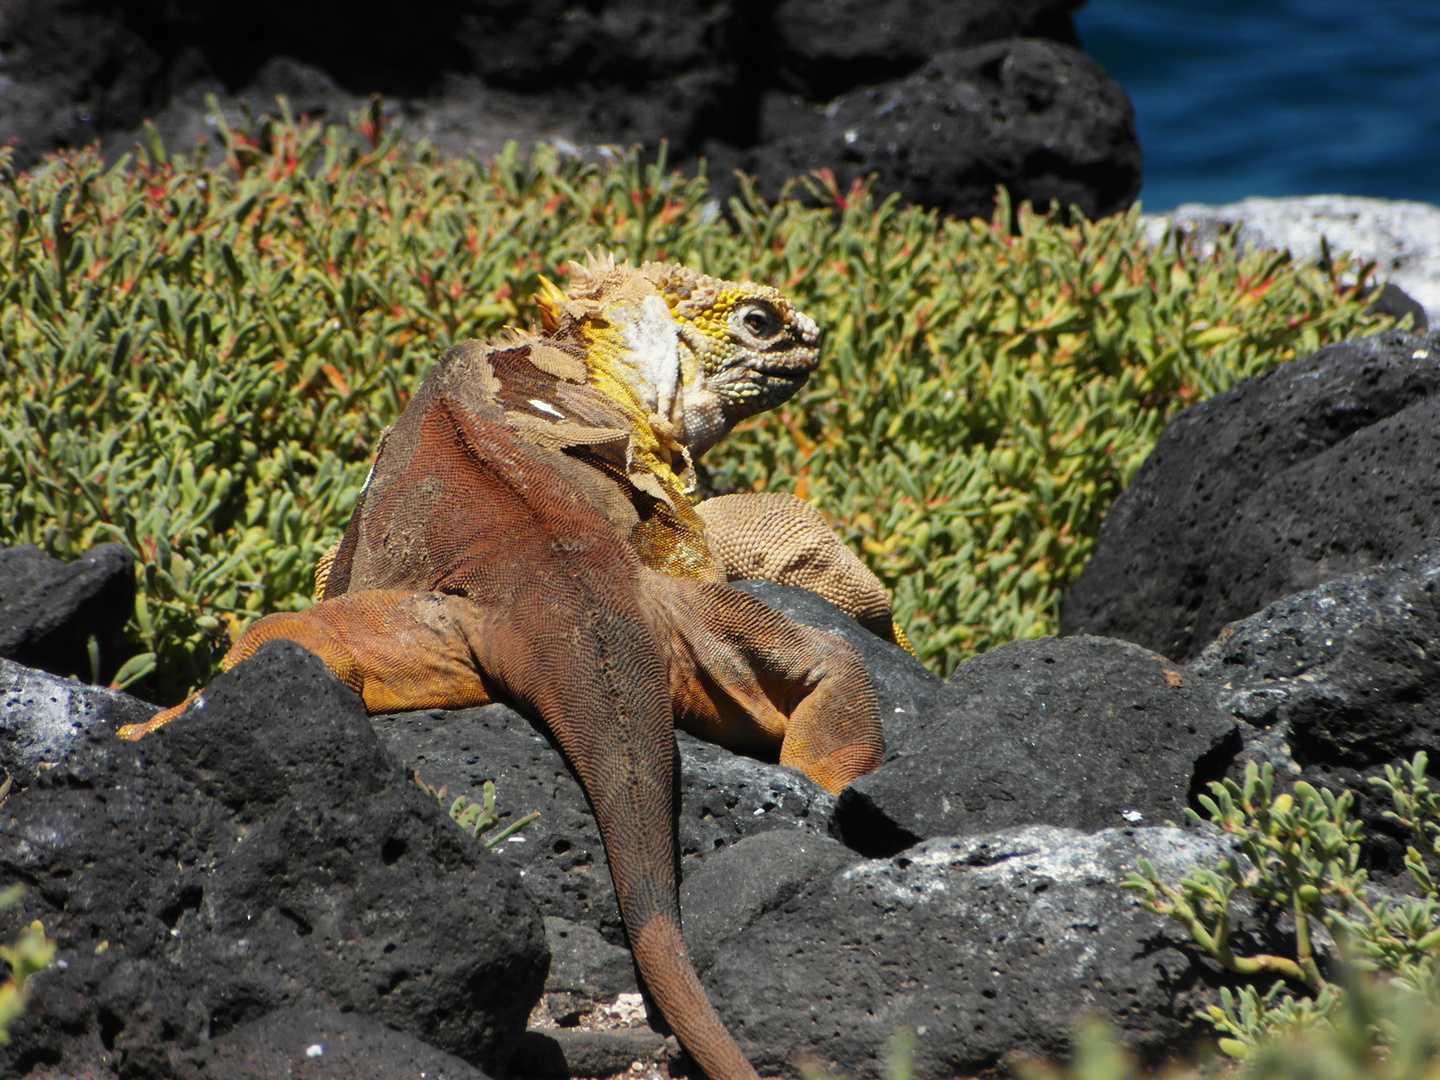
{"points": [[524, 536]]}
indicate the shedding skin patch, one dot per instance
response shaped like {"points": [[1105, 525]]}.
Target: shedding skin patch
{"points": [[649, 350]]}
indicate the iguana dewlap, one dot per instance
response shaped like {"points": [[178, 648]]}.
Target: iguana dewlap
{"points": [[523, 537]]}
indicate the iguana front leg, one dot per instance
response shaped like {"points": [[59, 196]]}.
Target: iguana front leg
{"points": [[398, 650], [748, 678]]}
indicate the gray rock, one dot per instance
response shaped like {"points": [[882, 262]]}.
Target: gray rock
{"points": [[1218, 521], [1402, 238], [1086, 732], [51, 610], [323, 1044], [1339, 682], [586, 971], [1038, 117], [259, 852], [983, 946], [43, 717], [560, 858], [904, 687]]}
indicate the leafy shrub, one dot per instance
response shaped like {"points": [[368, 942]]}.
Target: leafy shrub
{"points": [[1299, 852], [198, 357]]}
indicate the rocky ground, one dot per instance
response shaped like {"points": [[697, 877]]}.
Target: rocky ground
{"points": [[944, 101], [260, 889]]}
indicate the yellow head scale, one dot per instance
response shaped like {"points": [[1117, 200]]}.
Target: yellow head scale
{"points": [[696, 354]]}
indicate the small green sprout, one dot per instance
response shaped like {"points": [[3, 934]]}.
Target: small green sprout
{"points": [[476, 818], [29, 953]]}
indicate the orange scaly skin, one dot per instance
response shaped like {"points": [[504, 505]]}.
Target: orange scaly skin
{"points": [[500, 552]]}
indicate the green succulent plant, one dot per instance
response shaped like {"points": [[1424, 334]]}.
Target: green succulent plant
{"points": [[198, 353], [1300, 852]]}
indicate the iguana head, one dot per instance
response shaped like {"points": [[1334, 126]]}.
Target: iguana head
{"points": [[694, 354]]}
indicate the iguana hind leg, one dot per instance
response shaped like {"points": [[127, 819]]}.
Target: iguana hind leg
{"points": [[745, 676]]}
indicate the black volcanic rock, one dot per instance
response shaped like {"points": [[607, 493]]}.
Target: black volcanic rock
{"points": [[826, 47], [43, 718], [1348, 667], [709, 78], [1088, 733], [323, 1044], [50, 610], [260, 852], [1339, 682], [1318, 468], [73, 71], [1035, 116], [723, 797], [980, 945]]}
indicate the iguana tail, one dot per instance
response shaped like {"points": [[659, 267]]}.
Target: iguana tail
{"points": [[613, 718]]}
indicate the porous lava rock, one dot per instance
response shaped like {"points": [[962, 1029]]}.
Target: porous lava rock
{"points": [[262, 868], [1335, 683], [53, 613], [981, 945], [263, 851], [44, 717], [724, 895], [324, 1044], [1038, 117], [1320, 467], [560, 857], [1085, 732]]}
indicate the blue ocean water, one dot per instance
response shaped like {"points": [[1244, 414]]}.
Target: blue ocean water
{"points": [[1276, 97]]}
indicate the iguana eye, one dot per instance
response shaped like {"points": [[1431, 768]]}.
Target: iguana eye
{"points": [[761, 320]]}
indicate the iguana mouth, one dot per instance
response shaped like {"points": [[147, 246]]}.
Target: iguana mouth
{"points": [[787, 373], [789, 367]]}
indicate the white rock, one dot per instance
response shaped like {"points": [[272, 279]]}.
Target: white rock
{"points": [[1402, 238]]}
